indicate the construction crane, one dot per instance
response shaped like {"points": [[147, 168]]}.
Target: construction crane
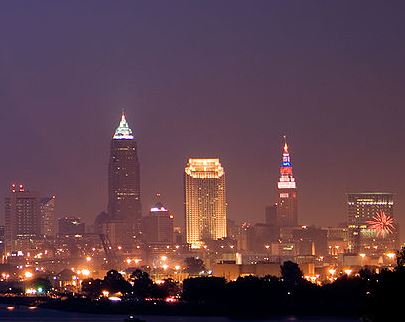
{"points": [[110, 255]]}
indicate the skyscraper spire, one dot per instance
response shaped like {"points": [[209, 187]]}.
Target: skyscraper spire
{"points": [[285, 144], [124, 190], [123, 132], [286, 165], [286, 211]]}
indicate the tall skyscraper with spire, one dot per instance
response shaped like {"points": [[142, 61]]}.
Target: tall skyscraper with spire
{"points": [[124, 191], [286, 209]]}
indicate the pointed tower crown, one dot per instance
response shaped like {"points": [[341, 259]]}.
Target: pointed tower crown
{"points": [[285, 145], [286, 155], [287, 180], [123, 132]]}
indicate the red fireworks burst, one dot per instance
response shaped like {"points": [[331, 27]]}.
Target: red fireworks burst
{"points": [[382, 224]]}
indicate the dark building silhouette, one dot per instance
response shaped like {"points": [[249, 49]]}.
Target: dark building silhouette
{"points": [[70, 226], [270, 215], [263, 236], [311, 240], [124, 192], [48, 220], [157, 226], [2, 240], [246, 238]]}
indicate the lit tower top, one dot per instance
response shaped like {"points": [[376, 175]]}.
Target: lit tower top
{"points": [[287, 181], [123, 132], [204, 168]]}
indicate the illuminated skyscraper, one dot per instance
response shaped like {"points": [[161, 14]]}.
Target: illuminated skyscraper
{"points": [[124, 192], [22, 218], [205, 201], [287, 214], [371, 225]]}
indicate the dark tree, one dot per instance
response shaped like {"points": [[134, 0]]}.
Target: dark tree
{"points": [[114, 282], [291, 273], [42, 285], [142, 283], [167, 288], [92, 287], [204, 289], [194, 265], [366, 273]]}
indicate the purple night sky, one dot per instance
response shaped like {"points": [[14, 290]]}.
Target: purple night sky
{"points": [[202, 79]]}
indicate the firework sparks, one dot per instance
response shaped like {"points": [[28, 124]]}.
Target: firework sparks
{"points": [[382, 224]]}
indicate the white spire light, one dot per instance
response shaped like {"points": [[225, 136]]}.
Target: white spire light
{"points": [[123, 132]]}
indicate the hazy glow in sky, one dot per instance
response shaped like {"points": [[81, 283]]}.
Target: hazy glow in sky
{"points": [[205, 79]]}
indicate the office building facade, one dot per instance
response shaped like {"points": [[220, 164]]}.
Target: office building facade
{"points": [[371, 226], [22, 216], [205, 201]]}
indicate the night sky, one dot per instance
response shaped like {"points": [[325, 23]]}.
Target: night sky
{"points": [[205, 79]]}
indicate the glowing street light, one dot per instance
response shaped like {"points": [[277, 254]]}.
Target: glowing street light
{"points": [[332, 271], [28, 274], [348, 271]]}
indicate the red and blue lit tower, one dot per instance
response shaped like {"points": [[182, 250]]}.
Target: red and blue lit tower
{"points": [[287, 192]]}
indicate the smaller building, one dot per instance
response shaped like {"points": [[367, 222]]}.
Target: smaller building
{"points": [[338, 242], [157, 226], [22, 218], [48, 220], [117, 232], [270, 215], [311, 241], [263, 236], [2, 241]]}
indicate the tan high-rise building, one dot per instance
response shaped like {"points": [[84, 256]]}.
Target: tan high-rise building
{"points": [[205, 201]]}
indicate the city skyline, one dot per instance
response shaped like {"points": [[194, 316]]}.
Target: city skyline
{"points": [[124, 133], [333, 88], [206, 160]]}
